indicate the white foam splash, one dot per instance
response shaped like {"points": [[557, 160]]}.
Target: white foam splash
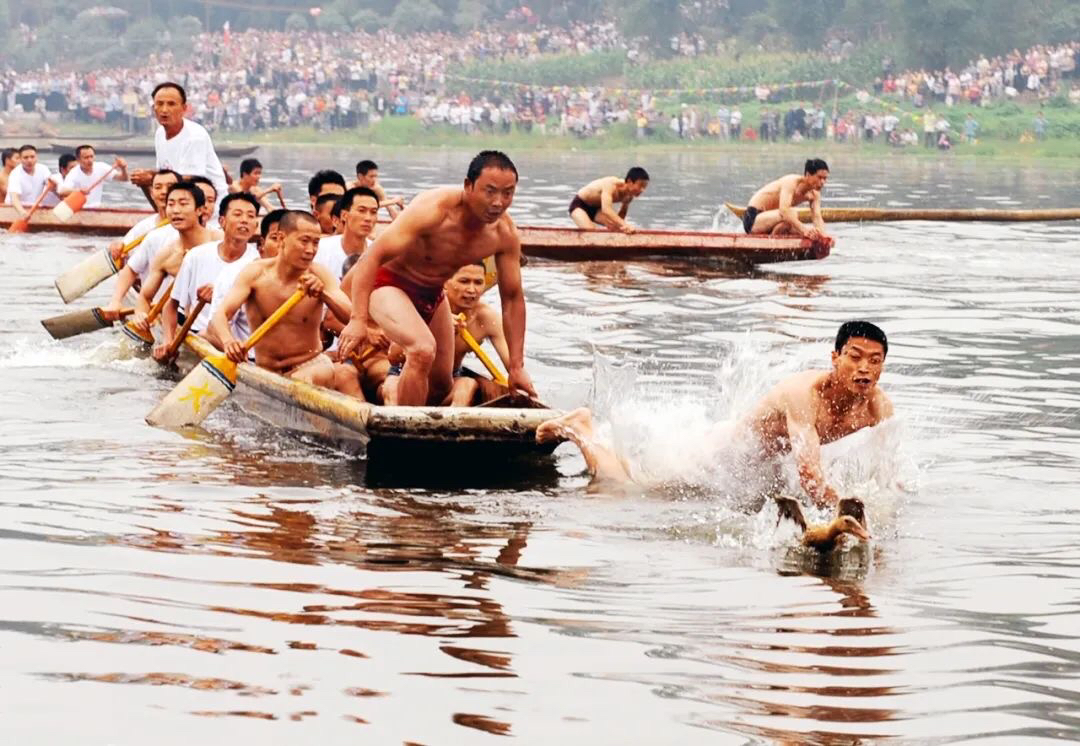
{"points": [[108, 351]]}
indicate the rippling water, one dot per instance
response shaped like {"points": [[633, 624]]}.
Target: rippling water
{"points": [[243, 583]]}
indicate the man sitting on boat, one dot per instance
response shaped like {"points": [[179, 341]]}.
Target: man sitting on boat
{"points": [[401, 277], [593, 207], [250, 174], [87, 174], [326, 181], [367, 175], [798, 416], [771, 211], [294, 347], [186, 207]]}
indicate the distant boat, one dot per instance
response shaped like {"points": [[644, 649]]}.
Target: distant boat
{"points": [[145, 148], [79, 139]]}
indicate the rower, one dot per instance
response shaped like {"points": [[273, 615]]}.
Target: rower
{"points": [[593, 207], [294, 347], [9, 160], [439, 232], [357, 210], [179, 143], [238, 215], [463, 292], [323, 182], [771, 211], [250, 174], [65, 164], [367, 175], [88, 173], [269, 244], [26, 182], [798, 416], [135, 269], [185, 206], [324, 213]]}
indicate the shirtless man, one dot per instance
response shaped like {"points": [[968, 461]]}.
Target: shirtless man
{"points": [[772, 208], [463, 292], [250, 175], [367, 175], [799, 414], [10, 159], [593, 207], [185, 206], [293, 348], [439, 232]]}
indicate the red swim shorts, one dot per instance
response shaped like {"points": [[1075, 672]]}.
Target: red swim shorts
{"points": [[425, 299]]}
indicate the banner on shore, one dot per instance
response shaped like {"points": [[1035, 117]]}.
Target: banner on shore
{"points": [[751, 89]]}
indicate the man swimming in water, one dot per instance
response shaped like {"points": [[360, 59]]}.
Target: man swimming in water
{"points": [[798, 415], [772, 210]]}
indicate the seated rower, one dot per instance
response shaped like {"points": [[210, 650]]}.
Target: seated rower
{"points": [[323, 182], [367, 175], [268, 245], [294, 347], [593, 207], [186, 207], [357, 210], [87, 173], [324, 212], [9, 160], [798, 415], [463, 292], [771, 210], [200, 267], [250, 174]]}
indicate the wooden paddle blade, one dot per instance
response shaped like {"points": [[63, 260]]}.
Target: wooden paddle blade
{"points": [[201, 392], [788, 507], [77, 322], [137, 336], [19, 226], [86, 275], [72, 203]]}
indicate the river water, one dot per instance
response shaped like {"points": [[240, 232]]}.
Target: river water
{"points": [[240, 583]]}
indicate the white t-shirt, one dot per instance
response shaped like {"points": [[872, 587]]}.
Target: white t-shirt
{"points": [[139, 260], [201, 266], [332, 255], [238, 324], [191, 153], [141, 228], [79, 179], [28, 186]]}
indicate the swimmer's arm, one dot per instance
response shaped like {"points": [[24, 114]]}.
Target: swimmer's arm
{"points": [[806, 448], [788, 211], [884, 407]]}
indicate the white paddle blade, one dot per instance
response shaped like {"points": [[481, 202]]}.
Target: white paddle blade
{"points": [[201, 392], [63, 212], [77, 322], [86, 275]]}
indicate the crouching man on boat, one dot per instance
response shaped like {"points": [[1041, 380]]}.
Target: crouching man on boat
{"points": [[593, 207], [798, 416], [294, 347], [771, 211], [399, 280]]}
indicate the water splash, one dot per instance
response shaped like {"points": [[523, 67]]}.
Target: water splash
{"points": [[108, 351]]}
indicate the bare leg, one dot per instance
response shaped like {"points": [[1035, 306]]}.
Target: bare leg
{"points": [[442, 369], [389, 391], [770, 222], [347, 380], [463, 392], [392, 310], [577, 427], [319, 372], [581, 220]]}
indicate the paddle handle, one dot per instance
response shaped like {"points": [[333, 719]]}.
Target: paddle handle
{"points": [[265, 327], [135, 244], [33, 207], [476, 348], [181, 335], [160, 305]]}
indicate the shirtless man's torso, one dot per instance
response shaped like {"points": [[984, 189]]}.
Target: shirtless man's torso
{"points": [[593, 207], [772, 209]]}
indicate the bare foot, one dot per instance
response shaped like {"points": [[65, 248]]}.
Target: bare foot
{"points": [[576, 423]]}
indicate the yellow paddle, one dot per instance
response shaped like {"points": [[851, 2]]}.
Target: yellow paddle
{"points": [[80, 322], [210, 383], [174, 346], [137, 334], [94, 269], [75, 201], [475, 346], [22, 224]]}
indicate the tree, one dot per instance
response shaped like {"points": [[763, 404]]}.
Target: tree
{"points": [[411, 16]]}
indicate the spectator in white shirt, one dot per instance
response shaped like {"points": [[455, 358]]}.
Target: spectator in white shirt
{"points": [[89, 172]]}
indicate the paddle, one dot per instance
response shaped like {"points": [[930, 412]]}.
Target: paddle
{"points": [[135, 333], [22, 224], [174, 346], [75, 201], [93, 270], [476, 348], [210, 383], [80, 322]]}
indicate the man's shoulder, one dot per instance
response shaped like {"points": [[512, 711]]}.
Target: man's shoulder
{"points": [[201, 251]]}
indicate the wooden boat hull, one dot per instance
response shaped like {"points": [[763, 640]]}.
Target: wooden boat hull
{"points": [[100, 221], [107, 147], [885, 214]]}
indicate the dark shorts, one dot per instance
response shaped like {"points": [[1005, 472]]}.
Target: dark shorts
{"points": [[749, 217], [396, 368], [425, 299], [590, 210]]}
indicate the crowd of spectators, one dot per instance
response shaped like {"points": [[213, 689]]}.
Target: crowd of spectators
{"points": [[261, 80]]}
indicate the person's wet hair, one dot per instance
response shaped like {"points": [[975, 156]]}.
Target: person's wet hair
{"points": [[271, 219], [203, 180], [489, 159], [813, 165], [326, 199], [164, 171], [637, 173], [322, 178], [65, 159], [191, 188], [862, 330], [238, 196]]}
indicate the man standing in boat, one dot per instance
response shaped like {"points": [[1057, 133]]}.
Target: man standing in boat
{"points": [[593, 207], [771, 211], [399, 279], [797, 416]]}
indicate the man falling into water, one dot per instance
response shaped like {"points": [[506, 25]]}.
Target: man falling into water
{"points": [[797, 416], [771, 210]]}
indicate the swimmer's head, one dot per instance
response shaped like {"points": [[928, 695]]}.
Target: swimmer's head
{"points": [[859, 355]]}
